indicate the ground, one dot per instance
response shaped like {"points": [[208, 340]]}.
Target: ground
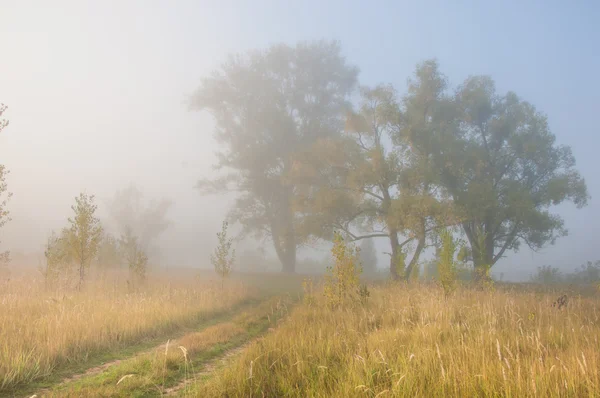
{"points": [[259, 335]]}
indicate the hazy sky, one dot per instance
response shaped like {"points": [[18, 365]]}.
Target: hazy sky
{"points": [[96, 91]]}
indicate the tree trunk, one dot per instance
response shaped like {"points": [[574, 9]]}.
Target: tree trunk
{"points": [[483, 257], [395, 245], [288, 265], [284, 235], [81, 276], [415, 259], [285, 248]]}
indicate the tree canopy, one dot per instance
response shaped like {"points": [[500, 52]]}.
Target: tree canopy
{"points": [[268, 105], [500, 165], [134, 215], [306, 162]]}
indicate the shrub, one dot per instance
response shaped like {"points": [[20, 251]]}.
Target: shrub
{"points": [[223, 257], [342, 281], [446, 266]]}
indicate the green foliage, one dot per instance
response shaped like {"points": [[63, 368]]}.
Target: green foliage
{"points": [[85, 233], [500, 165], [59, 260], [268, 105], [224, 256], [469, 157], [403, 168], [446, 264], [361, 185], [134, 256], [342, 280]]}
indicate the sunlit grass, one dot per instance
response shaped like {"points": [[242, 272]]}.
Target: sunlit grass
{"points": [[170, 367], [41, 331], [410, 341]]}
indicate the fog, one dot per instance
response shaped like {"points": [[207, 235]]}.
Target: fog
{"points": [[97, 96]]}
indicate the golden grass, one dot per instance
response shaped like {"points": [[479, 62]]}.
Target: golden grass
{"points": [[40, 331], [171, 367], [410, 341]]}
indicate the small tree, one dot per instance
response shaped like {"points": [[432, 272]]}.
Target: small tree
{"points": [[342, 281], [108, 253], [446, 266], [547, 275], [4, 214], [59, 261], [4, 194], [85, 233], [223, 257], [136, 259]]}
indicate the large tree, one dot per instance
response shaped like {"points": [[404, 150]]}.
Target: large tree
{"points": [[500, 164], [373, 182], [4, 194], [268, 105]]}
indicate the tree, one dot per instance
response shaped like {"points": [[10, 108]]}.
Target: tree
{"points": [[368, 257], [499, 163], [4, 194], [341, 283], [146, 220], [547, 275], [268, 105], [108, 253], [446, 264], [223, 257], [59, 259], [373, 182], [136, 259], [4, 213], [85, 233]]}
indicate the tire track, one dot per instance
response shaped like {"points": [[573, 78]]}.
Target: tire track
{"points": [[95, 370]]}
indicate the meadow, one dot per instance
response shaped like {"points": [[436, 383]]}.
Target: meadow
{"points": [[262, 335], [45, 334], [410, 341]]}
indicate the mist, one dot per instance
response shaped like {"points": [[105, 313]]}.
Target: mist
{"points": [[98, 98]]}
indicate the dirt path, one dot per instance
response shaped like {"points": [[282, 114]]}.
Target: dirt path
{"points": [[209, 368], [94, 370]]}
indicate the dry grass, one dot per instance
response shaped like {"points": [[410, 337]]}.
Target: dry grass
{"points": [[410, 341], [41, 331], [173, 366]]}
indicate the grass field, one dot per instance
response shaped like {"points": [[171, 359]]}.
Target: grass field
{"points": [[183, 336], [409, 341], [45, 333]]}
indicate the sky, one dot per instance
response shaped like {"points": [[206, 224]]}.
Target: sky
{"points": [[97, 94]]}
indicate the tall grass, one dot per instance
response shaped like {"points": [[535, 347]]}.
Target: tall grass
{"points": [[410, 341], [41, 331]]}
